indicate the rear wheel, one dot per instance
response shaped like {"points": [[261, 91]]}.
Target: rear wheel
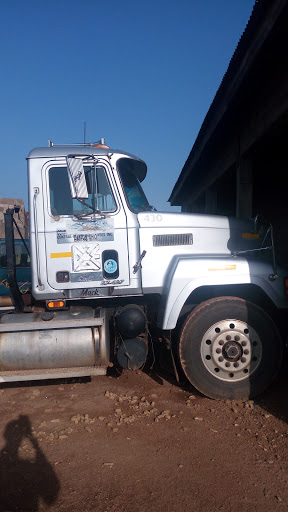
{"points": [[230, 348]]}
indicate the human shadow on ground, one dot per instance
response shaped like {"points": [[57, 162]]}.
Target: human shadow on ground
{"points": [[25, 480]]}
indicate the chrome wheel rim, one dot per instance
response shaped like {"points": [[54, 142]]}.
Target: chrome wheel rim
{"points": [[231, 350]]}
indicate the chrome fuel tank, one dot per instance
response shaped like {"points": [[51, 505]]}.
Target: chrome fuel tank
{"points": [[62, 339], [55, 348]]}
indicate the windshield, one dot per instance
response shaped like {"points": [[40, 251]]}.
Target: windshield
{"points": [[100, 196], [136, 198]]}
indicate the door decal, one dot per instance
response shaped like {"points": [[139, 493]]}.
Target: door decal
{"points": [[86, 257]]}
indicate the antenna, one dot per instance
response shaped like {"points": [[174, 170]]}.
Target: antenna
{"points": [[84, 132]]}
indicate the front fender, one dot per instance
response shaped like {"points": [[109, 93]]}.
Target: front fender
{"points": [[188, 274]]}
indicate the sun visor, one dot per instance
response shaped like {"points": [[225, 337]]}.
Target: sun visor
{"points": [[137, 167], [77, 177]]}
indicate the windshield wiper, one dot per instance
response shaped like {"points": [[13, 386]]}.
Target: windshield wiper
{"points": [[149, 208], [94, 210]]}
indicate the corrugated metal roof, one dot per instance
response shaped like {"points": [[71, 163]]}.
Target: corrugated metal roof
{"points": [[262, 20]]}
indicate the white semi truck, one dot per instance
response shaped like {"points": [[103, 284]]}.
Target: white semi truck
{"points": [[111, 277]]}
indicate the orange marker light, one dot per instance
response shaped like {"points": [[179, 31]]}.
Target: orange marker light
{"points": [[101, 146], [55, 304]]}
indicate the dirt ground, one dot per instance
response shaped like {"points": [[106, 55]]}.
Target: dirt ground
{"points": [[140, 442]]}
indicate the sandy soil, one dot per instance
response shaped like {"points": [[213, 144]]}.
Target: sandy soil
{"points": [[140, 442]]}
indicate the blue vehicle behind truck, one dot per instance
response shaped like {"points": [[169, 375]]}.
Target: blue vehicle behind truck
{"points": [[23, 268]]}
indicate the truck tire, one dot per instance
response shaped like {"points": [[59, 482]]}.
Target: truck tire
{"points": [[229, 348]]}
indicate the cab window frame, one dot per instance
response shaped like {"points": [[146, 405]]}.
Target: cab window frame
{"points": [[71, 211]]}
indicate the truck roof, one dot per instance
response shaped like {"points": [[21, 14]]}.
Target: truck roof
{"points": [[56, 151], [51, 152]]}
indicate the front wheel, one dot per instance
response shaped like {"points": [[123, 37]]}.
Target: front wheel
{"points": [[230, 348]]}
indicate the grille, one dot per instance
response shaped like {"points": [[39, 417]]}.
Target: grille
{"points": [[168, 240]]}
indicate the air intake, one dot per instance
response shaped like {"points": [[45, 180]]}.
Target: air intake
{"points": [[169, 240]]}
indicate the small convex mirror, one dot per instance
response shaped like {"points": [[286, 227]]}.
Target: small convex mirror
{"points": [[77, 178]]}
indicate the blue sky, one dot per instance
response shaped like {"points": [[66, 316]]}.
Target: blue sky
{"points": [[142, 74]]}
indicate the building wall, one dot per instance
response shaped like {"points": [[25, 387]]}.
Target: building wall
{"points": [[21, 218]]}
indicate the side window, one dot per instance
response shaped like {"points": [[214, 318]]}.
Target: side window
{"points": [[61, 202], [99, 192], [21, 255], [22, 258], [3, 259], [136, 198], [106, 202]]}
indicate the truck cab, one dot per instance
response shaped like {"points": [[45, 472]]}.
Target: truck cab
{"points": [[85, 246]]}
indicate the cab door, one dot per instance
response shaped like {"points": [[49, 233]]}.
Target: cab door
{"points": [[86, 241]]}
